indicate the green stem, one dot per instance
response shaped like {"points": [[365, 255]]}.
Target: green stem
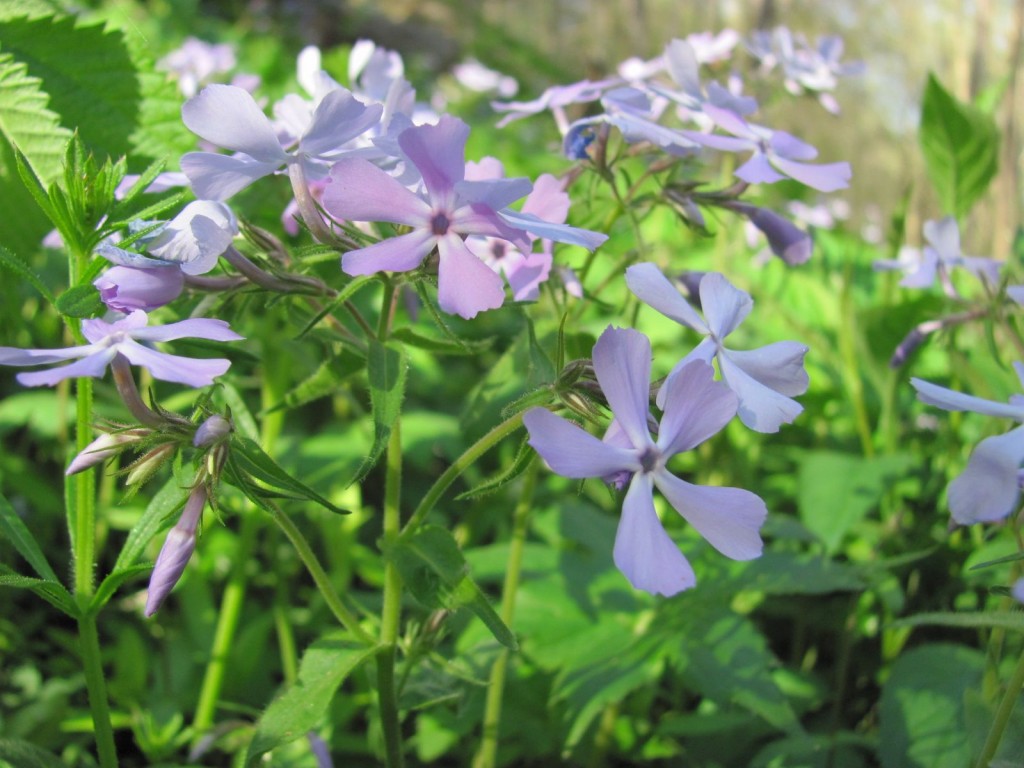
{"points": [[387, 692], [83, 526], [487, 756], [474, 452], [1002, 718], [89, 646], [323, 582], [227, 625]]}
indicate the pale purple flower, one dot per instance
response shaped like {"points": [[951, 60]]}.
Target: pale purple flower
{"points": [[556, 98], [176, 551], [777, 154], [764, 379], [477, 77], [195, 62], [939, 258], [211, 431], [709, 47], [122, 337], [126, 289], [696, 407], [229, 117], [683, 65], [989, 487], [103, 447], [1018, 591]]}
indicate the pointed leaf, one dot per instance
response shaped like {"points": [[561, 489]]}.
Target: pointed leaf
{"points": [[168, 499], [79, 301], [109, 586], [522, 460], [249, 458], [20, 268], [386, 371], [52, 592], [21, 538], [300, 706], [435, 570]]}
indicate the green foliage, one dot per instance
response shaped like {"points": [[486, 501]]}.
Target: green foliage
{"points": [[961, 148]]}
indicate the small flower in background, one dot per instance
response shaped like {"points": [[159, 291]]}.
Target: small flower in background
{"points": [[122, 337], [195, 63], [785, 239], [1018, 591], [989, 487], [473, 75], [696, 407], [176, 551], [939, 258], [229, 117], [765, 379], [556, 98]]}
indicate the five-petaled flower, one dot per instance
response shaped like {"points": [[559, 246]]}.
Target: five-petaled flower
{"points": [[696, 407], [122, 337]]}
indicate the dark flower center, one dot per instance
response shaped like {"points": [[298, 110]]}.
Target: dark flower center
{"points": [[439, 224], [649, 460]]}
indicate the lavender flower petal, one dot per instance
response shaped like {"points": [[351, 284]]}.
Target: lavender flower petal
{"points": [[989, 488], [573, 452]]}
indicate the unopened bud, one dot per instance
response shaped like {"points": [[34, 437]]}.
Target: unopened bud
{"points": [[211, 431], [102, 448], [146, 466], [176, 551]]}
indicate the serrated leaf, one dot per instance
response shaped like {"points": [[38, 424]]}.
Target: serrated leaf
{"points": [[27, 122], [435, 570], [386, 370], [21, 538], [300, 706], [20, 268], [79, 301], [247, 457], [960, 145], [51, 591], [86, 71]]}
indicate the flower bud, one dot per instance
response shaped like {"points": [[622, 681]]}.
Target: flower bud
{"points": [[787, 241], [126, 289], [144, 468], [102, 448], [176, 551], [211, 431]]}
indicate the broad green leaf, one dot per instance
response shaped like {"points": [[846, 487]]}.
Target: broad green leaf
{"points": [[26, 120], [51, 591], [960, 145], [247, 457], [323, 382], [1012, 620], [20, 268], [86, 71], [922, 721], [435, 570], [300, 707], [386, 372], [837, 490], [23, 754], [169, 498], [21, 538], [79, 301]]}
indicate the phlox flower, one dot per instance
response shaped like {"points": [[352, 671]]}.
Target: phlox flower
{"points": [[776, 154], [765, 380], [556, 98], [939, 258], [122, 337], [195, 62], [696, 407], [989, 487], [229, 117]]}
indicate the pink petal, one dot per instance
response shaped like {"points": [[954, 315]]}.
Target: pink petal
{"points": [[229, 117], [465, 285], [696, 407], [729, 519], [548, 200], [989, 488], [396, 254], [643, 551], [622, 362], [572, 452], [649, 285], [438, 152], [357, 190]]}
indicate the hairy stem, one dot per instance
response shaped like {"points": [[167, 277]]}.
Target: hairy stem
{"points": [[387, 692], [89, 646]]}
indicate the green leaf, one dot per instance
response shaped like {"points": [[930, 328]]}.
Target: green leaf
{"points": [[16, 532], [27, 122], [248, 458], [19, 267], [22, 754], [386, 372], [524, 455], [109, 586], [837, 490], [51, 591], [435, 570], [1012, 620], [786, 573], [960, 145], [79, 301], [343, 295], [87, 73], [159, 510], [922, 721], [441, 346], [323, 382], [300, 707]]}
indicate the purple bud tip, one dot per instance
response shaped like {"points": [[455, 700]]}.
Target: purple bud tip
{"points": [[176, 551], [99, 450], [211, 431]]}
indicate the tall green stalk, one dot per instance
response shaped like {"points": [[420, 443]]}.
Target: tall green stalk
{"points": [[1002, 718], [387, 691], [487, 755]]}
